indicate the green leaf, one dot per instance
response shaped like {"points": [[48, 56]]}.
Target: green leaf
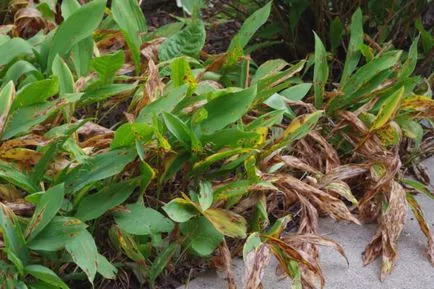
{"points": [[12, 234], [129, 17], [266, 120], [102, 93], [180, 210], [66, 80], [203, 238], [161, 262], [23, 119], [18, 70], [249, 27], [356, 40], [363, 77], [296, 92], [57, 234], [321, 72], [47, 208], [336, 32], [268, 68], [227, 222], [45, 274], [97, 168], [107, 198], [206, 163], [411, 129], [84, 252], [105, 268], [17, 178], [35, 92], [206, 195], [79, 25], [231, 137], [418, 186], [81, 56], [69, 7], [181, 131], [189, 41], [411, 61], [166, 103], [125, 242], [138, 220], [227, 109], [13, 48], [107, 65], [127, 134], [388, 109]]}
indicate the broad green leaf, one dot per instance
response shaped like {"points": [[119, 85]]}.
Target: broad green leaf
{"points": [[231, 137], [14, 176], [181, 131], [161, 262], [189, 41], [105, 268], [107, 198], [202, 237], [62, 71], [180, 210], [296, 92], [227, 109], [107, 65], [35, 92], [252, 242], [411, 61], [268, 68], [166, 103], [69, 7], [180, 73], [18, 70], [7, 95], [127, 134], [336, 32], [12, 234], [296, 130], [57, 234], [356, 40], [70, 33], [227, 222], [249, 27], [13, 48], [138, 220], [321, 72], [206, 195], [129, 17], [388, 109], [45, 274], [84, 252], [278, 102], [50, 202], [81, 56], [97, 168], [102, 93], [23, 119]]}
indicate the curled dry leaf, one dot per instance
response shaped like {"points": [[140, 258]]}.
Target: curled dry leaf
{"points": [[391, 222], [223, 263], [254, 266]]}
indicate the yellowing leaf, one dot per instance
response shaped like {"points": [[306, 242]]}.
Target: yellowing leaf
{"points": [[227, 222], [388, 109]]}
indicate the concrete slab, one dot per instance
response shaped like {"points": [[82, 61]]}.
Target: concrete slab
{"points": [[412, 272]]}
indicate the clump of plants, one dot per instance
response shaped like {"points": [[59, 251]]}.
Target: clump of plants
{"points": [[126, 153]]}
